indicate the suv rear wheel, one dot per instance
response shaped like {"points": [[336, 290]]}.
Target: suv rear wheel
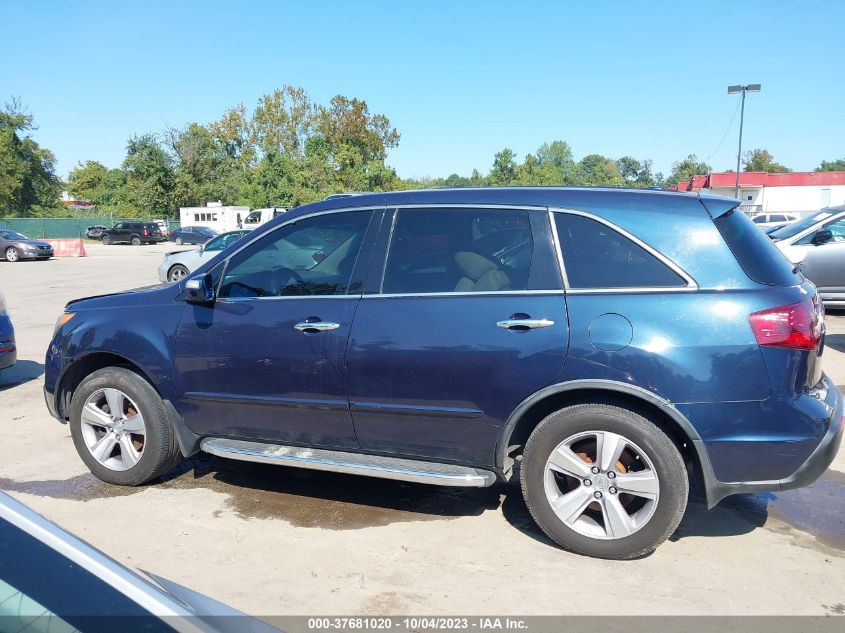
{"points": [[120, 428], [136, 241], [603, 481]]}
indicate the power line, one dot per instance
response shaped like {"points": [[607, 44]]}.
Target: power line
{"points": [[724, 136]]}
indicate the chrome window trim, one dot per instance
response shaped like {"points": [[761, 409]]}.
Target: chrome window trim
{"points": [[285, 297], [462, 294], [691, 285]]}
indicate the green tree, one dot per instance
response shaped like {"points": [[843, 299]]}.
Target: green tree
{"points": [[832, 165], [283, 121], [28, 182], [203, 170], [636, 173], [87, 180], [503, 171], [762, 160], [599, 171], [149, 177], [684, 170], [556, 164]]}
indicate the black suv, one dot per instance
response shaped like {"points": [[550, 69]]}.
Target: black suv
{"points": [[134, 233]]}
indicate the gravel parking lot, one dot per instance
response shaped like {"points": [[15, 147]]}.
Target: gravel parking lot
{"points": [[277, 541]]}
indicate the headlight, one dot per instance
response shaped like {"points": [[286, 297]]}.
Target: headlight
{"points": [[64, 317]]}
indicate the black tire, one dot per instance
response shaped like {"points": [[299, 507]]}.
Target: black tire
{"points": [[179, 241], [658, 448], [175, 270], [12, 254], [161, 451], [136, 241], [106, 240]]}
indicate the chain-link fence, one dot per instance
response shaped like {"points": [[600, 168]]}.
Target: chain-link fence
{"points": [[63, 227]]}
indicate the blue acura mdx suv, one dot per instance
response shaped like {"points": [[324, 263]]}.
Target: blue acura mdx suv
{"points": [[608, 346]]}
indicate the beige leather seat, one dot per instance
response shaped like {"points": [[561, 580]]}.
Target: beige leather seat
{"points": [[480, 274]]}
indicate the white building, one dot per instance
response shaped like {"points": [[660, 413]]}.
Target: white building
{"points": [[762, 192], [215, 216]]}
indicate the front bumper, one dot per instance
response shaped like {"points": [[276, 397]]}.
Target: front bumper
{"points": [[45, 254], [812, 468]]}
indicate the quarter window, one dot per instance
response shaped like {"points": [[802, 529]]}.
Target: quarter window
{"points": [[312, 256], [596, 256], [458, 250]]}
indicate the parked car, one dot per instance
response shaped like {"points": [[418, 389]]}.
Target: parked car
{"points": [[48, 578], [627, 341], [8, 347], [191, 235], [798, 238], [824, 265], [135, 233], [16, 246], [176, 265], [95, 232], [769, 220]]}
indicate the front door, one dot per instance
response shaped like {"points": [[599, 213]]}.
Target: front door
{"points": [[468, 320], [266, 359]]}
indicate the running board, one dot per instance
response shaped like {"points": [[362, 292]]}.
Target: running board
{"points": [[352, 463]]}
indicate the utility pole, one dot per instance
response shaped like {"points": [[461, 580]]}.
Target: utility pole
{"points": [[743, 90]]}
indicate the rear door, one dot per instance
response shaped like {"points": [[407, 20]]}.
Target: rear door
{"points": [[466, 320]]}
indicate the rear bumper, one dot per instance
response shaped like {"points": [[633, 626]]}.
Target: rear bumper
{"points": [[8, 348], [810, 470], [8, 354]]}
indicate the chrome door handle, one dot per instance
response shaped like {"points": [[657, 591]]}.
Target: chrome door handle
{"points": [[317, 326], [527, 324]]}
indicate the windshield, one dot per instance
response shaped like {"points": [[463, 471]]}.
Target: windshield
{"points": [[794, 228], [12, 235]]}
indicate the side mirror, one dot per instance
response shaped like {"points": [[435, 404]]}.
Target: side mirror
{"points": [[822, 237], [199, 289]]}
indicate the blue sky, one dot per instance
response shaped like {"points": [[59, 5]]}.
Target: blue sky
{"points": [[459, 80]]}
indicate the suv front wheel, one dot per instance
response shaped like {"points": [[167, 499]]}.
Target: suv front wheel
{"points": [[120, 429], [603, 481]]}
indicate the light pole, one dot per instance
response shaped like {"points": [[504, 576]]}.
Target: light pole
{"points": [[733, 90]]}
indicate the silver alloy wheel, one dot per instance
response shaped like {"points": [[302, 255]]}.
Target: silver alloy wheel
{"points": [[113, 429], [601, 485], [177, 272], [11, 254]]}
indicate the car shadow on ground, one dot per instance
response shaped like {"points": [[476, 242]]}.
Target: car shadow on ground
{"points": [[21, 372], [306, 498], [835, 341]]}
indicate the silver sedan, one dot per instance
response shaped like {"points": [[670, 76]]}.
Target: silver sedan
{"points": [[177, 264]]}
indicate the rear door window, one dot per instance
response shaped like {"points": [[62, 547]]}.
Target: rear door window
{"points": [[757, 255], [458, 250], [597, 256]]}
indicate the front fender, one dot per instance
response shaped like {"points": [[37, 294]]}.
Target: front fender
{"points": [[140, 336]]}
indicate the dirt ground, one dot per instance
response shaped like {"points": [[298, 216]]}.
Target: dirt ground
{"points": [[277, 541]]}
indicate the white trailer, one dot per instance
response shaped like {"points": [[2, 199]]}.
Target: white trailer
{"points": [[215, 216], [260, 216]]}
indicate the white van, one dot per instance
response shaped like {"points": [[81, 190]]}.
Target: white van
{"points": [[260, 216]]}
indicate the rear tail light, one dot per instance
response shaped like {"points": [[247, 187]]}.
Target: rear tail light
{"points": [[793, 326], [146, 232]]}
